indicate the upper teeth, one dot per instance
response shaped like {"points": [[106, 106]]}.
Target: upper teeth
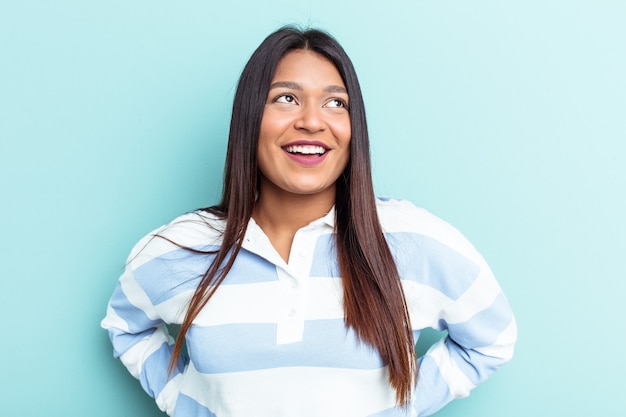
{"points": [[306, 149]]}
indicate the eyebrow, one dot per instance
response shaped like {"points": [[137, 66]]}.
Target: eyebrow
{"points": [[295, 86]]}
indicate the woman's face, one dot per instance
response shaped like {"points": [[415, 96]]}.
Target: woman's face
{"points": [[304, 142]]}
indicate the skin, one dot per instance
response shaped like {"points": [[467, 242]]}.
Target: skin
{"points": [[307, 105]]}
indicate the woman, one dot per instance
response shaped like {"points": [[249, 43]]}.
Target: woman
{"points": [[301, 294]]}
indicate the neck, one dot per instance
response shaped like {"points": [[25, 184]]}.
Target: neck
{"points": [[281, 214]]}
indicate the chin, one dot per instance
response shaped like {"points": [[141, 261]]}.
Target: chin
{"points": [[310, 189]]}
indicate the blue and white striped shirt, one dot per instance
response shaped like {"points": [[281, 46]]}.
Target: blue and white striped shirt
{"points": [[272, 341]]}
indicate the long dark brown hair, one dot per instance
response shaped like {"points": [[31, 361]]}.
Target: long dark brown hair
{"points": [[374, 303]]}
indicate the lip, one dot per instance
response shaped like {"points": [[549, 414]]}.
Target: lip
{"points": [[307, 160]]}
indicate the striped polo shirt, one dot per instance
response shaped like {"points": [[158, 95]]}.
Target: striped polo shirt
{"points": [[272, 341]]}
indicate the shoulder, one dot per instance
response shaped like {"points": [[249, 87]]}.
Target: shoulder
{"points": [[197, 230], [402, 218], [398, 215], [194, 229]]}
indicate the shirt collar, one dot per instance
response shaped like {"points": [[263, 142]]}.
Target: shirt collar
{"points": [[328, 218]]}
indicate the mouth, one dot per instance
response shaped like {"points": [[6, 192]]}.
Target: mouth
{"points": [[306, 150]]}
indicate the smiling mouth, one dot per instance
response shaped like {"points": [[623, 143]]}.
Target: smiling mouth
{"points": [[305, 150]]}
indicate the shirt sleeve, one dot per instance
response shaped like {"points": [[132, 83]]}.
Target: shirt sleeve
{"points": [[449, 287], [141, 339], [481, 333]]}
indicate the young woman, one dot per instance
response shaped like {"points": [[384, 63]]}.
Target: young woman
{"points": [[300, 293]]}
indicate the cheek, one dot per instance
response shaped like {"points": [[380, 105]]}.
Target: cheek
{"points": [[265, 132], [269, 127], [274, 123], [346, 155], [264, 158], [342, 131], [346, 138]]}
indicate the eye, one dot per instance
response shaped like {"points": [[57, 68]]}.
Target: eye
{"points": [[336, 103], [285, 98]]}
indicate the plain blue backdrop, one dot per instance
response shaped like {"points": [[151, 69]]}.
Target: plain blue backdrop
{"points": [[508, 119]]}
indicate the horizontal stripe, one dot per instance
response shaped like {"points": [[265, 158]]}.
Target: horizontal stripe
{"points": [[427, 261], [292, 391], [250, 303], [246, 347], [181, 270], [483, 328], [324, 299], [262, 302]]}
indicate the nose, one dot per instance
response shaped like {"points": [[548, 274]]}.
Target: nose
{"points": [[310, 119]]}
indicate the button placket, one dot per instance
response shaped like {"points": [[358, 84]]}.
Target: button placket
{"points": [[291, 309], [293, 289]]}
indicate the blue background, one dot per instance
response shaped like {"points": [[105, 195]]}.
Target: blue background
{"points": [[508, 119]]}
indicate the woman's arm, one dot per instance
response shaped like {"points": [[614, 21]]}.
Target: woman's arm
{"points": [[481, 335], [141, 339]]}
